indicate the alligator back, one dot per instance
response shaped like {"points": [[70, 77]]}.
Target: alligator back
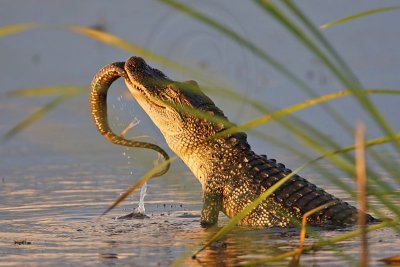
{"points": [[287, 204]]}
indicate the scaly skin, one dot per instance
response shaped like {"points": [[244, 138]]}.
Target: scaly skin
{"points": [[230, 173]]}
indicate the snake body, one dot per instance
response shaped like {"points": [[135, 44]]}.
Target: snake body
{"points": [[98, 104]]}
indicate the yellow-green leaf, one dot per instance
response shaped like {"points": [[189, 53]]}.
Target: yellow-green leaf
{"points": [[139, 183], [359, 15], [43, 91], [34, 117], [16, 28], [299, 106]]}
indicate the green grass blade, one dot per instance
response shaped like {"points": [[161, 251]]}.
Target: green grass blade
{"points": [[117, 42], [321, 149], [120, 43], [321, 38], [214, 84], [291, 26], [34, 117], [241, 41], [132, 48], [317, 245], [234, 221], [372, 175], [346, 166], [316, 135], [16, 28], [150, 174], [358, 16], [363, 99], [325, 172], [369, 143], [44, 91], [342, 64], [306, 137], [388, 164], [256, 51], [296, 107]]}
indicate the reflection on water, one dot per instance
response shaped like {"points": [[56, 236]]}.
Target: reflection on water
{"points": [[52, 220]]}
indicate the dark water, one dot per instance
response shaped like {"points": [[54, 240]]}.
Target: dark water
{"points": [[59, 175]]}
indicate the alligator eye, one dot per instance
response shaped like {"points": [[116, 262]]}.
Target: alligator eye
{"points": [[158, 73]]}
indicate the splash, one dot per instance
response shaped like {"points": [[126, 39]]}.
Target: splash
{"points": [[140, 209]]}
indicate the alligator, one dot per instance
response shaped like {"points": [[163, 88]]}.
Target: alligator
{"points": [[231, 174]]}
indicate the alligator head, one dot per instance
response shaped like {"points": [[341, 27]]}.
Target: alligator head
{"points": [[186, 117]]}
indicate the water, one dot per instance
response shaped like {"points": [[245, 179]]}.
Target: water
{"points": [[59, 175], [54, 208], [58, 216]]}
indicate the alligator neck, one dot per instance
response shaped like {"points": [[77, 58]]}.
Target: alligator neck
{"points": [[211, 159]]}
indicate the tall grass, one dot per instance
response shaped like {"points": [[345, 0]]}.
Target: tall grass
{"points": [[313, 39], [62, 93]]}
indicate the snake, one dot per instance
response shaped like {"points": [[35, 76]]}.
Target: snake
{"points": [[98, 105]]}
